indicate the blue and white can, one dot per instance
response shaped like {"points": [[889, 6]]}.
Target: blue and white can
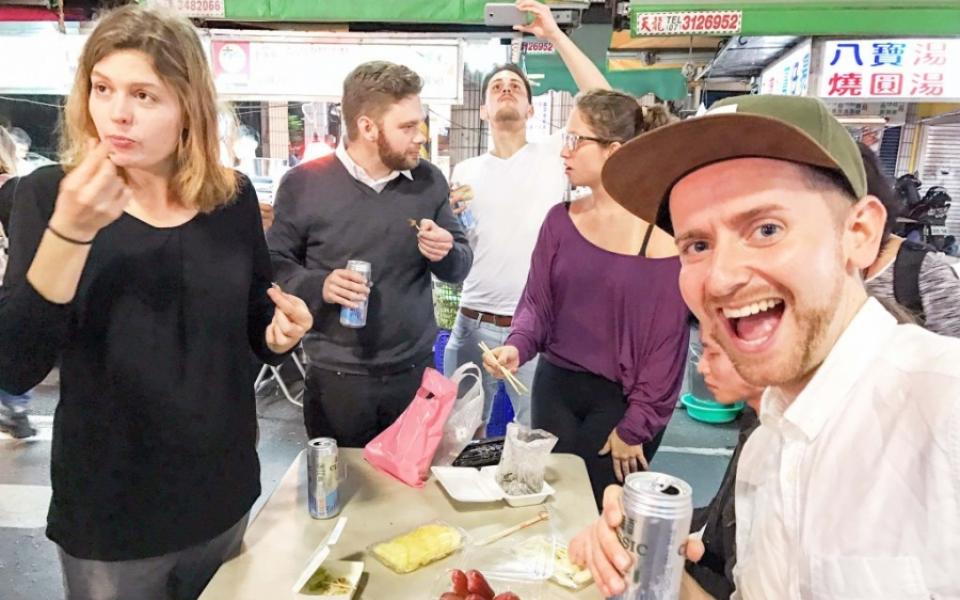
{"points": [[357, 317], [323, 482], [467, 220]]}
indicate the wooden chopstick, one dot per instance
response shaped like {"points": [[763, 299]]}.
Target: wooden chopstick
{"points": [[542, 516], [518, 385]]}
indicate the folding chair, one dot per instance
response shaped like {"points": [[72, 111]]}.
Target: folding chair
{"points": [[268, 372]]}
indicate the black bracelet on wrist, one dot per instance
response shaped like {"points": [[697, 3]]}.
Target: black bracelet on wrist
{"points": [[68, 239]]}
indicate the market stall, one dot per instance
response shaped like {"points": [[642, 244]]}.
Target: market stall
{"points": [[282, 537]]}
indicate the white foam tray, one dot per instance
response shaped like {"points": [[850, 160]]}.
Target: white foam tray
{"points": [[466, 484]]}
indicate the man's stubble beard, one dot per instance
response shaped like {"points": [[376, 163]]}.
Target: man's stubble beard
{"points": [[393, 160]]}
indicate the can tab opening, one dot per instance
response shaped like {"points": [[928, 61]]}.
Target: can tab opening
{"points": [[670, 490]]}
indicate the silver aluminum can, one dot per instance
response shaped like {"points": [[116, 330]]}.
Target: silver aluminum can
{"points": [[356, 317], [323, 494], [657, 509]]}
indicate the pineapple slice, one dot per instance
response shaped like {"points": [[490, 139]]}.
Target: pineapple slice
{"points": [[420, 547]]}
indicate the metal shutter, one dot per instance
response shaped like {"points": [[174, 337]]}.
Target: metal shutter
{"points": [[940, 165], [888, 150]]}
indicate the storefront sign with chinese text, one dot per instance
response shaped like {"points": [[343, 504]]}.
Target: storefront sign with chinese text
{"points": [[538, 47], [789, 76], [264, 68], [894, 112], [713, 22], [910, 69], [193, 8]]}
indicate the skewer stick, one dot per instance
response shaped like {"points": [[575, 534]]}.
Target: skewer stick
{"points": [[413, 223], [542, 516]]}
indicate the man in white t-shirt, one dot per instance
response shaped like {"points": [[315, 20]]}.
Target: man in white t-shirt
{"points": [[513, 186]]}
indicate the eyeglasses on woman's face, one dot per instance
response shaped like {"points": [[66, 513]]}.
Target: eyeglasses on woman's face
{"points": [[572, 141]]}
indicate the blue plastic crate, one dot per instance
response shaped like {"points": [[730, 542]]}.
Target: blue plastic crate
{"points": [[443, 336], [501, 412]]}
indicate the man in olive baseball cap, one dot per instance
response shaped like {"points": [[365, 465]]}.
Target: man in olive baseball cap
{"points": [[849, 487]]}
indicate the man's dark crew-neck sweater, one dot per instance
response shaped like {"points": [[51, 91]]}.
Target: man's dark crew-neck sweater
{"points": [[325, 217]]}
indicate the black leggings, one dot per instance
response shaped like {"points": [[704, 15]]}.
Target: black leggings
{"points": [[581, 409]]}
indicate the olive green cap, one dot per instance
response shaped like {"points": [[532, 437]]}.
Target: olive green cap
{"points": [[641, 174]]}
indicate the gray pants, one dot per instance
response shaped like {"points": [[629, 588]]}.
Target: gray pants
{"points": [[178, 575], [463, 347]]}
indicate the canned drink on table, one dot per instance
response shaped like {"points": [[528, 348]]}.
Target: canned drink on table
{"points": [[356, 317], [323, 494], [657, 509]]}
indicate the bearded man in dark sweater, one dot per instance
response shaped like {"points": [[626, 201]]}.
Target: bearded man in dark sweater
{"points": [[357, 204]]}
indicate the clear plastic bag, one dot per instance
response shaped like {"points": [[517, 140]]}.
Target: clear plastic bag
{"points": [[515, 563], [465, 419], [524, 459], [565, 573]]}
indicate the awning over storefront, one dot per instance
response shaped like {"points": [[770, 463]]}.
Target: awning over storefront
{"points": [[462, 12], [547, 71], [795, 17]]}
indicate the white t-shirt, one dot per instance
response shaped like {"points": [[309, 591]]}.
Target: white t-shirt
{"points": [[511, 198]]}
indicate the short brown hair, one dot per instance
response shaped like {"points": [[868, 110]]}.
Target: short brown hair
{"points": [[516, 70], [617, 116], [372, 87], [173, 46]]}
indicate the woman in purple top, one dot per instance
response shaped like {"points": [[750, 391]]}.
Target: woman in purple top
{"points": [[603, 307]]}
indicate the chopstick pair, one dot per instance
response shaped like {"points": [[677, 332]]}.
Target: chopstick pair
{"points": [[510, 377]]}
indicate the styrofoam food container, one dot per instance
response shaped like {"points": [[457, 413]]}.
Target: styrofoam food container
{"points": [[466, 484]]}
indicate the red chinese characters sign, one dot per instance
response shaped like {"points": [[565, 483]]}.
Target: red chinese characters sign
{"points": [[908, 69], [714, 22], [193, 8]]}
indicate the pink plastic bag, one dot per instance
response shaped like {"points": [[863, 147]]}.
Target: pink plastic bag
{"points": [[406, 448]]}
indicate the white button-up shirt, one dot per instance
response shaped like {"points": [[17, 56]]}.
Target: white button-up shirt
{"points": [[358, 173], [852, 492]]}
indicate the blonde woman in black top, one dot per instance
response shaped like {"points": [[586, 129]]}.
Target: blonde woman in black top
{"points": [[141, 264]]}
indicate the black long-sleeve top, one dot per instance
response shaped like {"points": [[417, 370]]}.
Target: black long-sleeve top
{"points": [[325, 217], [714, 571], [154, 435]]}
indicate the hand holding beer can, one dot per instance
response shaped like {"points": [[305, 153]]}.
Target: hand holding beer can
{"points": [[357, 317], [657, 510], [460, 198]]}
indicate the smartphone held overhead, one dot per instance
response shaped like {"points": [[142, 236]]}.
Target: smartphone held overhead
{"points": [[503, 14]]}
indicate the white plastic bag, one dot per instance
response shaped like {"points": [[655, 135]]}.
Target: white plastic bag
{"points": [[465, 419]]}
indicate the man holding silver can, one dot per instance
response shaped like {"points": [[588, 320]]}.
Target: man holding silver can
{"points": [[373, 205], [848, 489]]}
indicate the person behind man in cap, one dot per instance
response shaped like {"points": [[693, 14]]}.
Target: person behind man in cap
{"points": [[849, 487], [915, 276], [513, 187]]}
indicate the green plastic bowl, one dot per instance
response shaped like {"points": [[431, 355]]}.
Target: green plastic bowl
{"points": [[708, 411]]}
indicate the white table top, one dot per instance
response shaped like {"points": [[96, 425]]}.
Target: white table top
{"points": [[283, 536]]}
